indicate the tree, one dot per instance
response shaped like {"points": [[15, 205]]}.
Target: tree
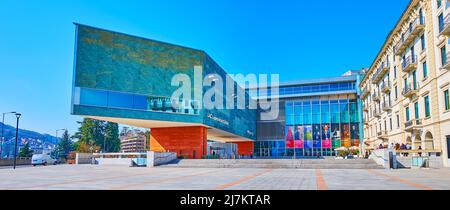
{"points": [[26, 151], [65, 146], [112, 140], [90, 133], [97, 134]]}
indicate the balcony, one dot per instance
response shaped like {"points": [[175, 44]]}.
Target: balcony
{"points": [[386, 87], [409, 91], [375, 97], [413, 125], [409, 64], [382, 134], [445, 27], [365, 92], [376, 113], [414, 29], [386, 106], [365, 108], [447, 64], [381, 71]]}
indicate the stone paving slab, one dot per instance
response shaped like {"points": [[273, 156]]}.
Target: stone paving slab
{"points": [[92, 177]]}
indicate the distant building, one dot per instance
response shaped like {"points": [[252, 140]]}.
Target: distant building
{"points": [[133, 141]]}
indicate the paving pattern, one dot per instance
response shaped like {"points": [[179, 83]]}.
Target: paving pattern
{"points": [[92, 177]]}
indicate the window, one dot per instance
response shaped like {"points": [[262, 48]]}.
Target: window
{"points": [[398, 121], [425, 70], [422, 20], [396, 92], [443, 56], [416, 110], [390, 123], [446, 100], [422, 42], [439, 3], [441, 22], [427, 106], [414, 80], [407, 114], [395, 71]]}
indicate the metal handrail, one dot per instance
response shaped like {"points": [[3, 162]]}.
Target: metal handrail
{"points": [[409, 60]]}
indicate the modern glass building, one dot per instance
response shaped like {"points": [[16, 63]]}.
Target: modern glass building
{"points": [[316, 117], [128, 80]]}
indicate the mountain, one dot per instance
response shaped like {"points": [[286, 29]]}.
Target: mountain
{"points": [[38, 142], [10, 134]]}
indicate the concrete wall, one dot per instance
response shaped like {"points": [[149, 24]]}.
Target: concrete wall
{"points": [[189, 142], [10, 162]]}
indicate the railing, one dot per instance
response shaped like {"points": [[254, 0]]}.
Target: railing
{"points": [[365, 92], [413, 124], [376, 113], [386, 106], [375, 96], [385, 86], [408, 61], [381, 70], [409, 90], [408, 35]]}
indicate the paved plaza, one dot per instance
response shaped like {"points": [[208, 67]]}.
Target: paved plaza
{"points": [[94, 177]]}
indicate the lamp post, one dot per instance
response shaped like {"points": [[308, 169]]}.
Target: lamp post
{"points": [[17, 137], [3, 125]]}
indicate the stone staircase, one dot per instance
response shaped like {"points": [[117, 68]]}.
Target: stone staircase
{"points": [[275, 163]]}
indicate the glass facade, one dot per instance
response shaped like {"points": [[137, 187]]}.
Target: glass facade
{"points": [[314, 127], [120, 100], [307, 89]]}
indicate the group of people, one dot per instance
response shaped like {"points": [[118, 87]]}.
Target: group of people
{"points": [[398, 146]]}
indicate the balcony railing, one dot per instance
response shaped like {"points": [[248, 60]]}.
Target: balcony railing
{"points": [[386, 106], [409, 63], [414, 29], [447, 64], [386, 87], [382, 134], [410, 90], [365, 92], [375, 97], [365, 108], [381, 71], [376, 113], [413, 125], [445, 26]]}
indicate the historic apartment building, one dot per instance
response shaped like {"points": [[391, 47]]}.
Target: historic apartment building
{"points": [[405, 92]]}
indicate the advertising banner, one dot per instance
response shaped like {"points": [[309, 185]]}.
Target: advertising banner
{"points": [[289, 136], [299, 137], [326, 139], [317, 137], [345, 137], [308, 136], [354, 134]]}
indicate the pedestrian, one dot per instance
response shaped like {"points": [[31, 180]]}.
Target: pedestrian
{"points": [[420, 153]]}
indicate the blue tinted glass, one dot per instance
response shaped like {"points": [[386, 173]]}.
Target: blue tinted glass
{"points": [[93, 97], [120, 100], [140, 102]]}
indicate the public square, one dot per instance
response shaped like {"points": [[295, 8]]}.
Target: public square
{"points": [[95, 177]]}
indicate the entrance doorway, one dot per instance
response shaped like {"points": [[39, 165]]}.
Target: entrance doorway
{"points": [[264, 152]]}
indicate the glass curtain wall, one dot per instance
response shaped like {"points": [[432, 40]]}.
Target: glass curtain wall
{"points": [[315, 127]]}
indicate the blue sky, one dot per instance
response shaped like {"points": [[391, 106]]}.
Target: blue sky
{"points": [[297, 39]]}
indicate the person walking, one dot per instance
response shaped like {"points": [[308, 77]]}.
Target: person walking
{"points": [[420, 153]]}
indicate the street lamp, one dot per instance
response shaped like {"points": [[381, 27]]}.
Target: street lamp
{"points": [[3, 125], [17, 137]]}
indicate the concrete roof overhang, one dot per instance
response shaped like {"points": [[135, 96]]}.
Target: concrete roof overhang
{"points": [[214, 134]]}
